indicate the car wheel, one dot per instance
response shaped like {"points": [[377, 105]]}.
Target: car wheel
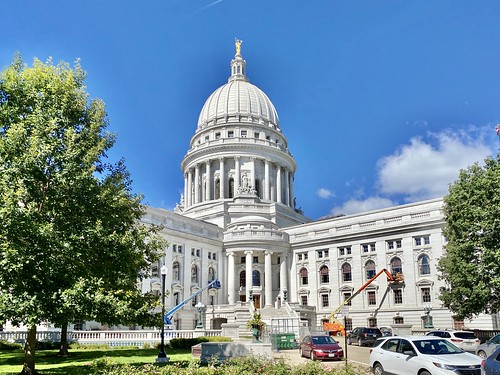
{"points": [[349, 342], [425, 373], [360, 343], [301, 353], [313, 358], [378, 369], [481, 354]]}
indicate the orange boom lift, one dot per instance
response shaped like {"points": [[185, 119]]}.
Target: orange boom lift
{"points": [[334, 327]]}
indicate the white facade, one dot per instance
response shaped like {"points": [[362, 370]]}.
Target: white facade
{"points": [[237, 221]]}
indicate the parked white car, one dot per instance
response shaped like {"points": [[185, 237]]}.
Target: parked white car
{"points": [[422, 355], [465, 340]]}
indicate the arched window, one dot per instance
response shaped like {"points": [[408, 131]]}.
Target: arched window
{"points": [[346, 272], [217, 189], [304, 279], [424, 267], [324, 274], [211, 274], [243, 278], [194, 273], [257, 188], [370, 269], [396, 266], [255, 278], [231, 188], [176, 271]]}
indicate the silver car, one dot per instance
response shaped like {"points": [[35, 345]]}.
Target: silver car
{"points": [[486, 348]]}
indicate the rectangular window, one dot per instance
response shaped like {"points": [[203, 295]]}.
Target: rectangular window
{"points": [[256, 259], [341, 251], [398, 244], [174, 248], [193, 250], [230, 134], [256, 135], [207, 138], [368, 247], [427, 240], [306, 256], [390, 245], [398, 296], [398, 320], [217, 135], [458, 324], [320, 253], [372, 298], [346, 297], [418, 241], [299, 256], [179, 249], [194, 301], [426, 295], [198, 252], [365, 248], [325, 300], [348, 324], [243, 134], [214, 256], [303, 300], [243, 260]]}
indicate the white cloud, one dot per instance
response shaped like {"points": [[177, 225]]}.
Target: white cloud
{"points": [[325, 193], [354, 206], [423, 169]]}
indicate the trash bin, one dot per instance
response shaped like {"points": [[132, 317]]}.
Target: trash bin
{"points": [[281, 341]]}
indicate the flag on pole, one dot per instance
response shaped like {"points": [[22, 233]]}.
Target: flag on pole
{"points": [[497, 129]]}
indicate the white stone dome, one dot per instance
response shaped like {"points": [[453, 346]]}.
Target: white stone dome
{"points": [[238, 101]]}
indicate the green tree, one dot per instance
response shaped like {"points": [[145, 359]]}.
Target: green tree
{"points": [[471, 263], [71, 243]]}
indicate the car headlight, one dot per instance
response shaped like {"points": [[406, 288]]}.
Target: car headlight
{"points": [[444, 366], [318, 350]]}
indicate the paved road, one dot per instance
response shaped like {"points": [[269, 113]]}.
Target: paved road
{"points": [[355, 355]]}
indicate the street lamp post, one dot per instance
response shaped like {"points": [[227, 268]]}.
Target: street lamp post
{"points": [[162, 356], [428, 319], [201, 308]]}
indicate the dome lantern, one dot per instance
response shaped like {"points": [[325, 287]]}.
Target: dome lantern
{"points": [[238, 65]]}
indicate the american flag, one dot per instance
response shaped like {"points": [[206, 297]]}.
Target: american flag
{"points": [[497, 129]]}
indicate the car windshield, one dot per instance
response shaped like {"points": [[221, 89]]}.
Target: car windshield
{"points": [[465, 335], [372, 330], [323, 340], [436, 347]]}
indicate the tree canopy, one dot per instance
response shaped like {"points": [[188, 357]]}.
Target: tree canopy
{"points": [[71, 243], [471, 263]]}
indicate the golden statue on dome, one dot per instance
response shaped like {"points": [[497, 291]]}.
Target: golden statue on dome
{"points": [[237, 43]]}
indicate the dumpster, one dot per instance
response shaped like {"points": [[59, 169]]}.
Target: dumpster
{"points": [[282, 341]]}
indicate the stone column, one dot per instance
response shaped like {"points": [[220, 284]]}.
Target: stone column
{"points": [[248, 271], [278, 184], [186, 203], [283, 277], [197, 184], [230, 279], [252, 172], [208, 193], [292, 198], [222, 178], [237, 177], [268, 272], [266, 177], [190, 188], [287, 187]]}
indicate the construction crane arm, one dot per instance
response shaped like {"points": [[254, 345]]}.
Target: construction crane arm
{"points": [[167, 318]]}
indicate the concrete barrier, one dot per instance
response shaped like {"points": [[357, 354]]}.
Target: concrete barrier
{"points": [[222, 351]]}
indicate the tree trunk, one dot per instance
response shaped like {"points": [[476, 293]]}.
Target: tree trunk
{"points": [[63, 349], [29, 352]]}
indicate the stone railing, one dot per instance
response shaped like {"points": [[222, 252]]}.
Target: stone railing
{"points": [[112, 338]]}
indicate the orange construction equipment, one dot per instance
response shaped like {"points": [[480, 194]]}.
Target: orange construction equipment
{"points": [[334, 327]]}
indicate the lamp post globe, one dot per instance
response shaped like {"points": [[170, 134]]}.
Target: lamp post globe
{"points": [[162, 356], [201, 308]]}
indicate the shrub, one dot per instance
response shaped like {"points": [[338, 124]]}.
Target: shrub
{"points": [[186, 343], [5, 345]]}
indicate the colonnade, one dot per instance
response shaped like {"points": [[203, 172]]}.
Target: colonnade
{"points": [[267, 291], [201, 183]]}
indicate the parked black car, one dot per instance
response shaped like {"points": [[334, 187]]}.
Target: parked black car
{"points": [[363, 336]]}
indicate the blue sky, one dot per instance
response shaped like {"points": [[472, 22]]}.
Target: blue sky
{"points": [[382, 102]]}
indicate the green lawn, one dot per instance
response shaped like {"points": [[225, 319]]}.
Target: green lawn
{"points": [[49, 363]]}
